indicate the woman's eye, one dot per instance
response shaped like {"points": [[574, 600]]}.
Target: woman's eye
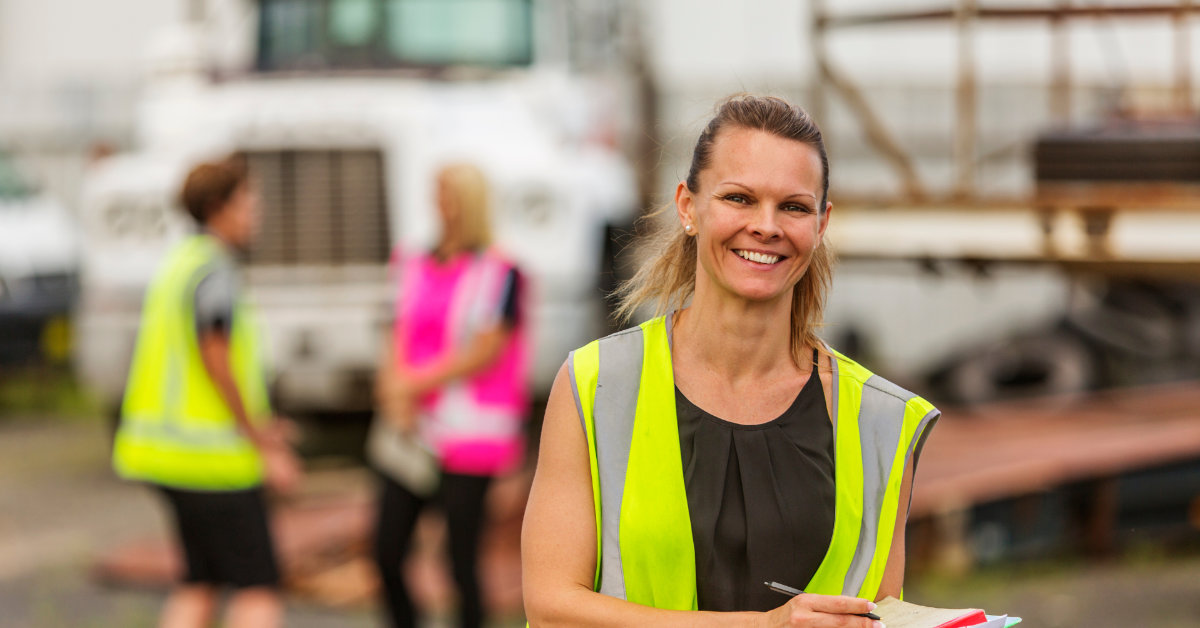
{"points": [[736, 198], [795, 208]]}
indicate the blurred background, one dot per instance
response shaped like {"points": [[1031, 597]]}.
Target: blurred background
{"points": [[1017, 214]]}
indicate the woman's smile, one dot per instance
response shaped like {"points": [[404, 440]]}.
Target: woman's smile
{"points": [[759, 258]]}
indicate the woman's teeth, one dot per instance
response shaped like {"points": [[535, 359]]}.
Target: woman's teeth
{"points": [[761, 258]]}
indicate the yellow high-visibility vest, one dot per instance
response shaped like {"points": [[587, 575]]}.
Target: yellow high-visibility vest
{"points": [[176, 429], [625, 394]]}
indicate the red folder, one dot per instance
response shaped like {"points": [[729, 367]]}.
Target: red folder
{"points": [[973, 618]]}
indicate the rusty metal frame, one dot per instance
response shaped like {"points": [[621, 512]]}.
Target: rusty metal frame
{"points": [[965, 14], [876, 132], [1064, 11]]}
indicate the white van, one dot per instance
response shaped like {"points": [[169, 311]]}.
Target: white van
{"points": [[344, 110]]}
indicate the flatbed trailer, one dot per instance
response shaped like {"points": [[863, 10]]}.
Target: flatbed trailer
{"points": [[1020, 450]]}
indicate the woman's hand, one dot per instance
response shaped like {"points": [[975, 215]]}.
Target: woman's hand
{"points": [[401, 411], [396, 395], [281, 468], [822, 611], [397, 391], [281, 431]]}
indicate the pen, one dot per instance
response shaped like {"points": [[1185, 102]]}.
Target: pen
{"points": [[786, 590]]}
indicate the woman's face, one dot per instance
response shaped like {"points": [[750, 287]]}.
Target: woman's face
{"points": [[755, 215], [240, 216]]}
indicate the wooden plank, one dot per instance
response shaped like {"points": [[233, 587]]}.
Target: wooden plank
{"points": [[1011, 449], [1123, 195]]}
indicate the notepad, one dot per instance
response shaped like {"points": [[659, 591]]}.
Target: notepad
{"points": [[897, 614]]}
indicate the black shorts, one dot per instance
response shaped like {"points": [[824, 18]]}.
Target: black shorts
{"points": [[225, 537]]}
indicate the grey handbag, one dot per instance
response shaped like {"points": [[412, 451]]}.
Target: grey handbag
{"points": [[402, 456]]}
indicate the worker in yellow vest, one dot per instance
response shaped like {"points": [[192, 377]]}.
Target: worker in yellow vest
{"points": [[196, 422], [688, 461]]}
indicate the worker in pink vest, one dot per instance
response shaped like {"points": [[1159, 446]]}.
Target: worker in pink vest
{"points": [[454, 382]]}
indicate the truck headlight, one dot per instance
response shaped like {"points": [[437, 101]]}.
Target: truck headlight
{"points": [[140, 218], [534, 206]]}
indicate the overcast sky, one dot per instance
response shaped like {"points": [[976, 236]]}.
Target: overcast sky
{"points": [[704, 40], [693, 41]]}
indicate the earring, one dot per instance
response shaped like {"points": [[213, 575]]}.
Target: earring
{"points": [[687, 228]]}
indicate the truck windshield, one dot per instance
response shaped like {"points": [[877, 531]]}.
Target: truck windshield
{"points": [[364, 34]]}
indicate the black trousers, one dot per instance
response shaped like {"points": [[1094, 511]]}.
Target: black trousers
{"points": [[461, 498]]}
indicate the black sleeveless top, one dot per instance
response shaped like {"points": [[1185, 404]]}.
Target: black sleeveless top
{"points": [[761, 500]]}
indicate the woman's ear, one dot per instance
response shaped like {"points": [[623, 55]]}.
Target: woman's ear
{"points": [[684, 205], [825, 218]]}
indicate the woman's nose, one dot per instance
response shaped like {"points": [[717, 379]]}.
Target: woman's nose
{"points": [[764, 223]]}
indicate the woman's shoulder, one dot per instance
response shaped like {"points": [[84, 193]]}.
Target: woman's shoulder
{"points": [[406, 256], [845, 367], [652, 325], [622, 350], [495, 255], [848, 369]]}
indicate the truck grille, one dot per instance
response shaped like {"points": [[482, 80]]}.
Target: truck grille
{"points": [[320, 207]]}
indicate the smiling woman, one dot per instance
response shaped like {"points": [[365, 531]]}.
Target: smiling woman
{"points": [[770, 164], [721, 445], [755, 217]]}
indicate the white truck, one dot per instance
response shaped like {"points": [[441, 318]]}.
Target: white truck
{"points": [[39, 257], [344, 110]]}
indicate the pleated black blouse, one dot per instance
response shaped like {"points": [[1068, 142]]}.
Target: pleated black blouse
{"points": [[761, 499]]}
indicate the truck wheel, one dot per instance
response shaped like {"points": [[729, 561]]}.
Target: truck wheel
{"points": [[1043, 364]]}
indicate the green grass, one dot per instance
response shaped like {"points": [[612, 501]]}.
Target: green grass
{"points": [[44, 391]]}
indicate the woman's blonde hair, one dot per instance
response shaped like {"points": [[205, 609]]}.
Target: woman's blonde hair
{"points": [[668, 277], [470, 189]]}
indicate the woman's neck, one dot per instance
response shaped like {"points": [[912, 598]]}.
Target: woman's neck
{"points": [[220, 235], [734, 338], [448, 249]]}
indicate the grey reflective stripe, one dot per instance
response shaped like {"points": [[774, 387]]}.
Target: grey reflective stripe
{"points": [[923, 430], [173, 378], [617, 383], [156, 429], [462, 303], [918, 443], [486, 308], [837, 389], [459, 416], [880, 423]]}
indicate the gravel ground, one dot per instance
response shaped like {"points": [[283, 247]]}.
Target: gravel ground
{"points": [[1150, 589], [60, 507]]}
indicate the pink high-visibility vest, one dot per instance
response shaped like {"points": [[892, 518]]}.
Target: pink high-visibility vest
{"points": [[473, 424]]}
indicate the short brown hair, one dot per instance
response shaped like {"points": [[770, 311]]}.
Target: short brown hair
{"points": [[210, 185], [668, 278]]}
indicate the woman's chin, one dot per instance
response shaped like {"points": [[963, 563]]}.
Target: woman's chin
{"points": [[761, 294]]}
